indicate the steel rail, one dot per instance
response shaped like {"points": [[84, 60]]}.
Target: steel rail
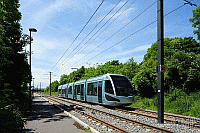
{"points": [[93, 118], [170, 116], [119, 117]]}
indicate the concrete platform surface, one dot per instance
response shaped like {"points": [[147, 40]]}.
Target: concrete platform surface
{"points": [[48, 119]]}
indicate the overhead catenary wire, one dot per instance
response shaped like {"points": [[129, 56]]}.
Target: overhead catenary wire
{"points": [[109, 25], [134, 33], [131, 35], [79, 32], [119, 30], [99, 28], [128, 36], [93, 29]]}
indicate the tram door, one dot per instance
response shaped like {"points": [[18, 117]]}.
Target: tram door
{"points": [[75, 92], [82, 91], [67, 92], [100, 91]]}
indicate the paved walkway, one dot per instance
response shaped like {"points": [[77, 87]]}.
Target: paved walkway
{"points": [[48, 119]]}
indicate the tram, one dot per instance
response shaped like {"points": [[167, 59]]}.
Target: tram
{"points": [[107, 89]]}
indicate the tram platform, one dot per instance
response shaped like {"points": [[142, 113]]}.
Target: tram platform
{"points": [[47, 118]]}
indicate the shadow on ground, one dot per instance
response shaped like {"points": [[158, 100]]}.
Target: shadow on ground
{"points": [[42, 110]]}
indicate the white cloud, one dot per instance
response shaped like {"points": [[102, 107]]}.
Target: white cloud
{"points": [[140, 48], [40, 45], [124, 53], [52, 9]]}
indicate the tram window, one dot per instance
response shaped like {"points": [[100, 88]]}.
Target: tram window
{"points": [[82, 89], [78, 89], [89, 89], [122, 86], [70, 90], [108, 87], [92, 89]]}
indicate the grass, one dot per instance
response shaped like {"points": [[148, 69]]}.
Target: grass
{"points": [[79, 126], [52, 93], [177, 102], [145, 103]]}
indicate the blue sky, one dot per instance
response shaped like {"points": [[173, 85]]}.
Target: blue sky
{"points": [[58, 23]]}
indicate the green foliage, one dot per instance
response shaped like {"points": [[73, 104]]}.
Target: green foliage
{"points": [[54, 87], [11, 119], [196, 21], [145, 103], [182, 67], [177, 102], [14, 69], [194, 111], [52, 93], [144, 80], [129, 69], [87, 129]]}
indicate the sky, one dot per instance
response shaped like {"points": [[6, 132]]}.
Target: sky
{"points": [[75, 33]]}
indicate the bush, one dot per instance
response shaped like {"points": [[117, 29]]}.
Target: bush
{"points": [[11, 119], [145, 103], [194, 111], [144, 84], [179, 102]]}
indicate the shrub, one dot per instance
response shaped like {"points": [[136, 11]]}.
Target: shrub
{"points": [[11, 119], [194, 111]]}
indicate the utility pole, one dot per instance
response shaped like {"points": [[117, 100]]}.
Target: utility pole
{"points": [[30, 78], [160, 67], [40, 87], [33, 85], [50, 83]]}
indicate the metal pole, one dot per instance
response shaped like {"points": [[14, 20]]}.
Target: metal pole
{"points": [[30, 104], [40, 87], [30, 78], [50, 83], [33, 85], [160, 34]]}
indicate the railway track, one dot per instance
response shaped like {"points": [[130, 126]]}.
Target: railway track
{"points": [[169, 118], [146, 126], [93, 118], [173, 120]]}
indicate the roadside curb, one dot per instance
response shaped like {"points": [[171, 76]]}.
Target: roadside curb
{"points": [[73, 117]]}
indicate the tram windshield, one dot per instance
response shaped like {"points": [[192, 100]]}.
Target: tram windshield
{"points": [[122, 86]]}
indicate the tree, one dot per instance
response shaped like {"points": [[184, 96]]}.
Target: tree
{"points": [[13, 67], [129, 69], [182, 67], [54, 87], [63, 79], [144, 81], [196, 21]]}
